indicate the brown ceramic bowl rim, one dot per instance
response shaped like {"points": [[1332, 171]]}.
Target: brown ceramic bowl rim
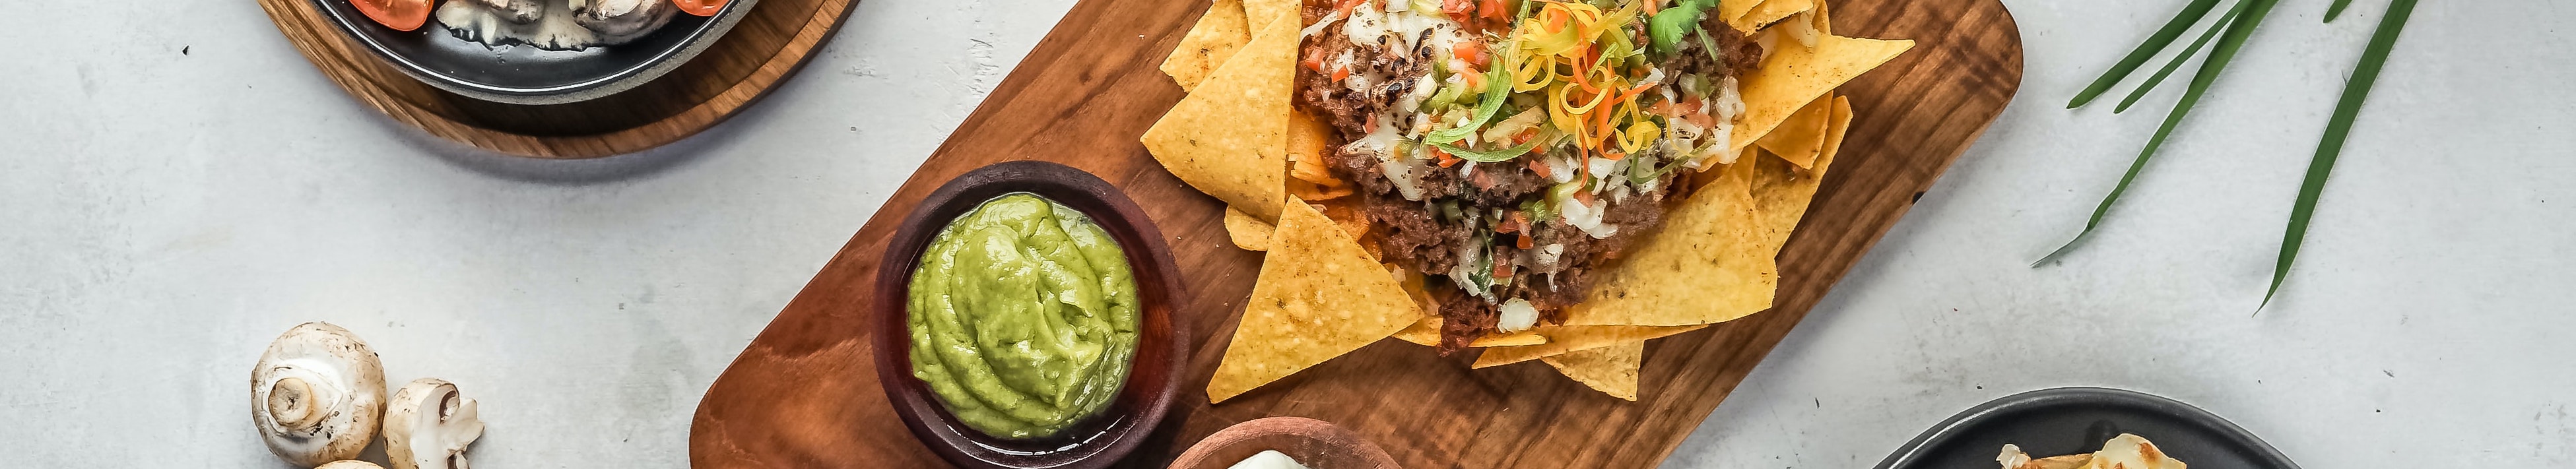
{"points": [[1226, 447], [1153, 375]]}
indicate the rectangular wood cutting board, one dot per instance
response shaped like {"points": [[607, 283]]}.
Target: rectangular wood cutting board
{"points": [[804, 393]]}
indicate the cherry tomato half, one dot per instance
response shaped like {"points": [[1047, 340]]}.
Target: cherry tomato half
{"points": [[700, 7], [402, 15]]}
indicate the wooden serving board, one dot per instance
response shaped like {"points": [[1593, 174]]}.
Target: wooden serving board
{"points": [[804, 394], [763, 49]]}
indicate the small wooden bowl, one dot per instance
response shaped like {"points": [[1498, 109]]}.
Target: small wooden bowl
{"points": [[1314, 443], [1152, 377]]}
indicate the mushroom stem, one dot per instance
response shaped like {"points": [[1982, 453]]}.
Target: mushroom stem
{"points": [[290, 402]]}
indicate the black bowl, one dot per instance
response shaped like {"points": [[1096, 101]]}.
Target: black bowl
{"points": [[1153, 377], [520, 74], [2060, 421]]}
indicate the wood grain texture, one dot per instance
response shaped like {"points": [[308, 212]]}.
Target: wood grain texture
{"points": [[762, 50], [804, 393]]}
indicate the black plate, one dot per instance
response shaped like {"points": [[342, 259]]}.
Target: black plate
{"points": [[520, 74], [2051, 422]]}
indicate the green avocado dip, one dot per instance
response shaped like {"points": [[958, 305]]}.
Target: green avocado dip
{"points": [[1023, 317]]}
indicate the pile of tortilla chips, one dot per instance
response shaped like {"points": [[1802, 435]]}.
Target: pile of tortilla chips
{"points": [[1323, 293]]}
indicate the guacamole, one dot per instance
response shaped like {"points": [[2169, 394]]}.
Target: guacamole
{"points": [[1023, 317]]}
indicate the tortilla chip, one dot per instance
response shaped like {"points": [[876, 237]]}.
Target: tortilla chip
{"points": [[1794, 76], [1781, 193], [1262, 12], [1802, 135], [1416, 286], [1769, 11], [1212, 40], [1318, 297], [1247, 231], [1310, 140], [1731, 11], [1706, 265], [1230, 138], [1837, 127], [1427, 333], [1562, 339], [1611, 370], [1823, 25], [1346, 212]]}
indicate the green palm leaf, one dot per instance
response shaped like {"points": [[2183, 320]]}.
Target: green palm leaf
{"points": [[2228, 45], [2186, 54], [2191, 13], [2354, 92]]}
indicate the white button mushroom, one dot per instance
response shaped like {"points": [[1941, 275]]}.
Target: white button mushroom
{"points": [[317, 394], [435, 439], [619, 21]]}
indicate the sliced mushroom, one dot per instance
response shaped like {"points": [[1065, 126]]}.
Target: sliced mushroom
{"points": [[350, 464], [619, 21], [429, 426], [317, 394]]}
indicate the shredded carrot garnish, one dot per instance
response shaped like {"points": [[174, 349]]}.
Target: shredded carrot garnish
{"points": [[1614, 156], [1602, 123], [1632, 93], [1583, 77]]}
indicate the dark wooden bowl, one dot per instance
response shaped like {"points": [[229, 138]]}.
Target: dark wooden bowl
{"points": [[522, 74], [1152, 378], [1315, 443]]}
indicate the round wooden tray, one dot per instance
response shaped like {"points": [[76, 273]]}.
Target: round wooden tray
{"points": [[769, 44]]}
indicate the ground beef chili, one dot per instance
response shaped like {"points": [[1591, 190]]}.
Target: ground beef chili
{"points": [[1428, 234]]}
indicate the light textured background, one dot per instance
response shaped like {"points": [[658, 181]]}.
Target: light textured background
{"points": [[168, 213]]}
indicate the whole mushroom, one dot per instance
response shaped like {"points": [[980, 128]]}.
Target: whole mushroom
{"points": [[429, 426], [317, 394]]}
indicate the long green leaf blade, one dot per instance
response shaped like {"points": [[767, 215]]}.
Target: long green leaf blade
{"points": [[2227, 46], [2336, 9], [2181, 22], [2354, 92], [2187, 52]]}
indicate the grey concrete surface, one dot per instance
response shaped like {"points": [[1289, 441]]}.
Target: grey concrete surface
{"points": [[179, 186]]}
